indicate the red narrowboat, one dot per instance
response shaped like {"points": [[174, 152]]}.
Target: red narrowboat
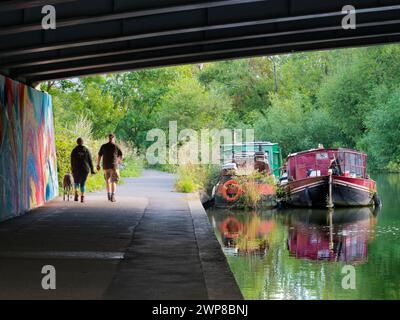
{"points": [[315, 177]]}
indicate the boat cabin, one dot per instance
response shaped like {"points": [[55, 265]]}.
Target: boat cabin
{"points": [[255, 151], [317, 162]]}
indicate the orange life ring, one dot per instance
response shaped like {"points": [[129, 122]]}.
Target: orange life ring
{"points": [[226, 227], [227, 186]]}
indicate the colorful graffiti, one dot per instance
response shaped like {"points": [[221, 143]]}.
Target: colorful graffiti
{"points": [[28, 172]]}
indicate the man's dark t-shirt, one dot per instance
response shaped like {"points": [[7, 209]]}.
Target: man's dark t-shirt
{"points": [[81, 161], [111, 154]]}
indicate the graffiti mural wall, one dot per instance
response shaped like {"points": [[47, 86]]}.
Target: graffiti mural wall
{"points": [[28, 173]]}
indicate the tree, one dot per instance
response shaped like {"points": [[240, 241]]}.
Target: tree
{"points": [[383, 132], [348, 94], [248, 82], [194, 107]]}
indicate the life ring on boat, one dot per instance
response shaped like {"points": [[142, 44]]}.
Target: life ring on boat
{"points": [[231, 187], [231, 226]]}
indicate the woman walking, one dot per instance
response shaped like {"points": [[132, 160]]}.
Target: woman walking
{"points": [[82, 165]]}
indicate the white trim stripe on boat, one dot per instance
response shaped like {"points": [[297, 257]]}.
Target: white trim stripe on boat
{"points": [[353, 185], [338, 182], [310, 185]]}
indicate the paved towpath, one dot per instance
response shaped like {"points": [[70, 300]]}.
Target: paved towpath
{"points": [[153, 243]]}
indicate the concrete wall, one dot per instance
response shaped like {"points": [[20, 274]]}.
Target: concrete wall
{"points": [[28, 172]]}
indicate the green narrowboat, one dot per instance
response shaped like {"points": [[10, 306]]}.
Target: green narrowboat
{"points": [[230, 152], [249, 174]]}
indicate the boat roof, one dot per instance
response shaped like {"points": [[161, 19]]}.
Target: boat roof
{"points": [[266, 143], [322, 150]]}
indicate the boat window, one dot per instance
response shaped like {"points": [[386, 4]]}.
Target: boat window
{"points": [[314, 173], [276, 159], [354, 164], [322, 156], [351, 164], [359, 165]]}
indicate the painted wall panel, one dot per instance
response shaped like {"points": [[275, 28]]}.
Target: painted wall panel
{"points": [[28, 172]]}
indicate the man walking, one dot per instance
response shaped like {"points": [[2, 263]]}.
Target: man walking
{"points": [[112, 157], [81, 164]]}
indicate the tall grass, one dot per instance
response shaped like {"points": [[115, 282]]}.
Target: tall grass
{"points": [[195, 177], [251, 195]]}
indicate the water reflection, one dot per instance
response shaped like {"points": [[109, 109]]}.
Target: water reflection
{"points": [[299, 253], [245, 233], [313, 234], [339, 235]]}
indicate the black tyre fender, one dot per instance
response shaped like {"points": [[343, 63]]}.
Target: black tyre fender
{"points": [[377, 200]]}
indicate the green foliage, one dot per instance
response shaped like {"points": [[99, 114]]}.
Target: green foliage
{"points": [[194, 107], [348, 95], [85, 99], [188, 178], [139, 95], [383, 133], [64, 147], [247, 82], [132, 167], [303, 73], [186, 185], [337, 98], [191, 178]]}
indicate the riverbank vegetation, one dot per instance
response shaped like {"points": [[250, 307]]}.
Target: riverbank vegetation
{"points": [[347, 98], [191, 178]]}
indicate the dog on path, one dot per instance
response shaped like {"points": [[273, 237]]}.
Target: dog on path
{"points": [[68, 182]]}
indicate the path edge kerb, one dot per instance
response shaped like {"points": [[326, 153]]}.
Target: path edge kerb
{"points": [[220, 282]]}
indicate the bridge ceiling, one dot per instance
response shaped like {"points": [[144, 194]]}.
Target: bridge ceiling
{"points": [[104, 36]]}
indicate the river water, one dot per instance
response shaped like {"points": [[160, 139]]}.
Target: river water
{"points": [[302, 253]]}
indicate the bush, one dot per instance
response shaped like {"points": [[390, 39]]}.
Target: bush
{"points": [[188, 178], [95, 182], [186, 185], [131, 167], [393, 167], [64, 146], [191, 178], [132, 164]]}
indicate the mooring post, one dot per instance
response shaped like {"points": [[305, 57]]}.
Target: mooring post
{"points": [[330, 213], [330, 200]]}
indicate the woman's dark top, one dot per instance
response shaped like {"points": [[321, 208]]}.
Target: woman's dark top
{"points": [[81, 161]]}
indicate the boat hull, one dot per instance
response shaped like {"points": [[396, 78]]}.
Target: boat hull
{"points": [[346, 192]]}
